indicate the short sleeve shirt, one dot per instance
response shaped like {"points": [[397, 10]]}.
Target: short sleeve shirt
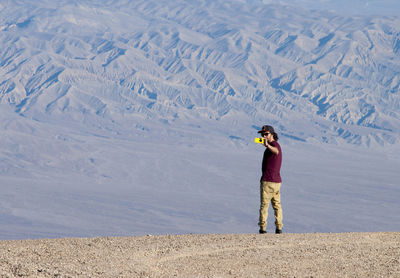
{"points": [[271, 165]]}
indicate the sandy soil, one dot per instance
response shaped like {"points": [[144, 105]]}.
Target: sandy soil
{"points": [[228, 255]]}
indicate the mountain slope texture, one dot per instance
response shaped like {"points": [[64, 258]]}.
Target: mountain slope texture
{"points": [[122, 118], [222, 60]]}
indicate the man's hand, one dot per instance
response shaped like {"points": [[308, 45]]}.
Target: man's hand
{"points": [[273, 149]]}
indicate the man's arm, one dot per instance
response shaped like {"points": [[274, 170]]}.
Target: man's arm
{"points": [[273, 149]]}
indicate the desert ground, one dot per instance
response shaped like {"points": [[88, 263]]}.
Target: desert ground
{"points": [[215, 255]]}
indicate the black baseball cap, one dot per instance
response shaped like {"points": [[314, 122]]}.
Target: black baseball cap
{"points": [[267, 128]]}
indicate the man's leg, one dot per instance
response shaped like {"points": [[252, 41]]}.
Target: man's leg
{"points": [[276, 205], [266, 194]]}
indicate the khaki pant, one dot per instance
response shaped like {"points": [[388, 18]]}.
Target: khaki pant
{"points": [[270, 192]]}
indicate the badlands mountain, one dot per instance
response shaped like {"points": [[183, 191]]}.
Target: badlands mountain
{"points": [[138, 117], [218, 63]]}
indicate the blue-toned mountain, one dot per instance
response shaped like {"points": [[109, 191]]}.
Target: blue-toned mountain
{"points": [[312, 74]]}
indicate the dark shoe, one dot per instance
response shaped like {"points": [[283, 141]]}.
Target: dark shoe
{"points": [[262, 231], [278, 231]]}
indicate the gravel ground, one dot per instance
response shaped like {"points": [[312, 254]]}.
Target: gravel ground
{"points": [[224, 255]]}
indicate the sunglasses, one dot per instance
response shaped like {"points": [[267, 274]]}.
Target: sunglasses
{"points": [[266, 133]]}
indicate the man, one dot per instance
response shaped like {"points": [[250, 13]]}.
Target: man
{"points": [[271, 181]]}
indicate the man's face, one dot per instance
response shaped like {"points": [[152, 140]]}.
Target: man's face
{"points": [[266, 134]]}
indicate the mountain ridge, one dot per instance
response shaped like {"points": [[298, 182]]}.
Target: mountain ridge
{"points": [[164, 59], [124, 117]]}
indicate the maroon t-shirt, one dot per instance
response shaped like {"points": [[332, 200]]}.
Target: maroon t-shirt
{"points": [[271, 165]]}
